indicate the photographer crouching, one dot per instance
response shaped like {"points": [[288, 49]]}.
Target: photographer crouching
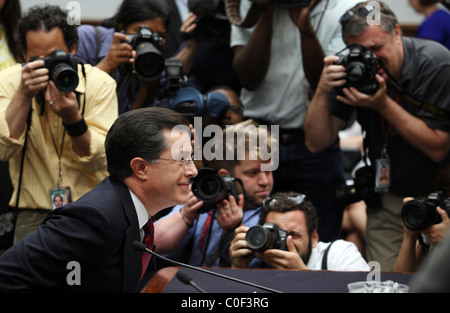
{"points": [[288, 239], [405, 119]]}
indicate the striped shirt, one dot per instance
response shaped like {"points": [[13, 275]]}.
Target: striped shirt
{"points": [[41, 165]]}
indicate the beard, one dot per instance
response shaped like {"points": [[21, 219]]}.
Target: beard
{"points": [[306, 254]]}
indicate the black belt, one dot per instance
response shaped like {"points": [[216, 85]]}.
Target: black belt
{"points": [[288, 136]]}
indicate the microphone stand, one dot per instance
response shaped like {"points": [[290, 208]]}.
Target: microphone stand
{"points": [[142, 247]]}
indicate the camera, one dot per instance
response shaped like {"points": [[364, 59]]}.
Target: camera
{"points": [[361, 66], [269, 236], [212, 21], [212, 188], [149, 62], [188, 100], [419, 214], [62, 68], [362, 189]]}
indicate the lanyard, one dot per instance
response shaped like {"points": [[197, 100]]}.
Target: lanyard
{"points": [[58, 152], [206, 229]]}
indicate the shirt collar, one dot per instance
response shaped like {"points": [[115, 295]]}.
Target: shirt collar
{"points": [[141, 212]]}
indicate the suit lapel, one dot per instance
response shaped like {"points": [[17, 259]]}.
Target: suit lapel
{"points": [[132, 258]]}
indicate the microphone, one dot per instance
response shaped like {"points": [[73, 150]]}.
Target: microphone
{"points": [[186, 279], [142, 247]]}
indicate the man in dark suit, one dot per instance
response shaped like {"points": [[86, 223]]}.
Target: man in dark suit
{"points": [[87, 246]]}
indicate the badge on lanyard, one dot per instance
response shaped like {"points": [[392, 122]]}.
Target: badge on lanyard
{"points": [[60, 196], [383, 172]]}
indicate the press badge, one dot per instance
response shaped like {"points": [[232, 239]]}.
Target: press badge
{"points": [[383, 174], [60, 196]]}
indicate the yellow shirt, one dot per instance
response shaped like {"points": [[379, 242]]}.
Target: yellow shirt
{"points": [[41, 168]]}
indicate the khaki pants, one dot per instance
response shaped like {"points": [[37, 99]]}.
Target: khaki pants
{"points": [[28, 221], [385, 231]]}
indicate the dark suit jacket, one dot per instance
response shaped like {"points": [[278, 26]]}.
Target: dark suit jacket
{"points": [[97, 231]]}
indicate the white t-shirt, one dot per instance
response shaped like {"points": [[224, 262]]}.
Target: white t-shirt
{"points": [[283, 96], [342, 256]]}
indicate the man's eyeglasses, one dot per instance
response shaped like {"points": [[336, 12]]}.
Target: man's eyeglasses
{"points": [[297, 199], [186, 162]]}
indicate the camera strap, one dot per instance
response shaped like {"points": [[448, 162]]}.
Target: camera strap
{"points": [[325, 257], [431, 108]]}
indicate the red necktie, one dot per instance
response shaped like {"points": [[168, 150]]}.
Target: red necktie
{"points": [[148, 240]]}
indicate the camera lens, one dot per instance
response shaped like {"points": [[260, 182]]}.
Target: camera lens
{"points": [[208, 186], [355, 72], [149, 62], [418, 215], [258, 238], [65, 77]]}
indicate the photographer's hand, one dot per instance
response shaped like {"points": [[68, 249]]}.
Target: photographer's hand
{"points": [[240, 254], [34, 79], [119, 52], [300, 16], [189, 211], [230, 212], [436, 232], [280, 259], [358, 99], [188, 53], [332, 75]]}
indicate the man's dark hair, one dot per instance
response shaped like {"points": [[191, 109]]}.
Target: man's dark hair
{"points": [[284, 204], [131, 11], [138, 133], [46, 18], [10, 16]]}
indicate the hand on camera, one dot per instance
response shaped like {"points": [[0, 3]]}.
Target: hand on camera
{"points": [[240, 254], [34, 79], [376, 102], [280, 259], [190, 210], [119, 52], [333, 75], [230, 212], [436, 232]]}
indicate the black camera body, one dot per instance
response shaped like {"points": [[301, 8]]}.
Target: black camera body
{"points": [[63, 69], [149, 62], [362, 189], [188, 100], [212, 21], [361, 66], [419, 214], [269, 236], [212, 188]]}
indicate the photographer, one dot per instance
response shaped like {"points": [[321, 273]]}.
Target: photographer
{"points": [[202, 239], [414, 141], [417, 241], [297, 219], [53, 139], [278, 63], [128, 47]]}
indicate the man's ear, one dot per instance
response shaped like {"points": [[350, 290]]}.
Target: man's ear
{"points": [[314, 238], [139, 168]]}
